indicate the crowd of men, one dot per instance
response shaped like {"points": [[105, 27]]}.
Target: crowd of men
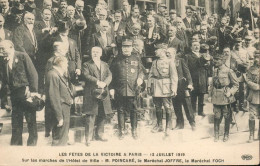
{"points": [[47, 50]]}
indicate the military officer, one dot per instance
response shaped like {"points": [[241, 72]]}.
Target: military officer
{"points": [[221, 94], [162, 85], [253, 83], [127, 76]]}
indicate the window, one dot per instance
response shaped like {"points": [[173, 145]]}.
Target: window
{"points": [[201, 3], [191, 2]]}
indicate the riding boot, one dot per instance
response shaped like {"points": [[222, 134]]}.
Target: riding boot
{"points": [[251, 130], [216, 129], [158, 127], [134, 124], [121, 125], [227, 127], [168, 123]]}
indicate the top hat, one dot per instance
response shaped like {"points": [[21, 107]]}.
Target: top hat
{"points": [[62, 26], [150, 7], [18, 9]]}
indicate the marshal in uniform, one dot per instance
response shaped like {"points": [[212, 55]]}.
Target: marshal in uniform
{"points": [[221, 93], [127, 74]]}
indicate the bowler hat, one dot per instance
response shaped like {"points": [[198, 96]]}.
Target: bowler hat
{"points": [[212, 40], [99, 93], [204, 48]]}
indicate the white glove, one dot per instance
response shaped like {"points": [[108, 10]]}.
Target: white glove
{"points": [[112, 93], [60, 123], [190, 87], [139, 81], [101, 84], [209, 99], [78, 72]]}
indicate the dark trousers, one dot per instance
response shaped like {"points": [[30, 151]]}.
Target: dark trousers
{"points": [[95, 120], [178, 101], [48, 118], [126, 104], [241, 94], [19, 110], [60, 134], [195, 96]]}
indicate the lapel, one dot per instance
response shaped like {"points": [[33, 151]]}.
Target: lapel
{"points": [[43, 25], [63, 80], [71, 47], [95, 69], [98, 35], [28, 34], [102, 69], [109, 39]]}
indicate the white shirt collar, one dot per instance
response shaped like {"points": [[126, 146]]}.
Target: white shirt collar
{"points": [[197, 54]]}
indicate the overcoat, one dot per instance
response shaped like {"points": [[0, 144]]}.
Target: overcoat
{"points": [[91, 74]]}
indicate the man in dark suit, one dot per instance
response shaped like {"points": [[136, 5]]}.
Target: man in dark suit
{"points": [[184, 84], [223, 34], [17, 73], [183, 34], [14, 19], [44, 28], [96, 74], [71, 48], [58, 100], [79, 12], [173, 41], [5, 34], [106, 41], [25, 37], [133, 19], [118, 26], [153, 35], [62, 11], [199, 75], [4, 8], [188, 21], [125, 10]]}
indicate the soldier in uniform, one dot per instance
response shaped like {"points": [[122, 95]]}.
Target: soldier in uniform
{"points": [[253, 84], [223, 87], [127, 76], [162, 85]]}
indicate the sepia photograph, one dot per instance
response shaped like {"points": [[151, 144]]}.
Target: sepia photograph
{"points": [[129, 82]]}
